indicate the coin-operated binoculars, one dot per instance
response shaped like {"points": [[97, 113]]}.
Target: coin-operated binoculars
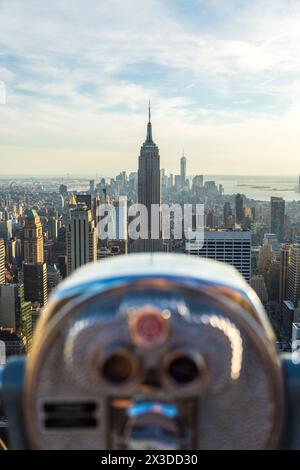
{"points": [[153, 351]]}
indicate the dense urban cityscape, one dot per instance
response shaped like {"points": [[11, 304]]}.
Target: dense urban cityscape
{"points": [[48, 228], [149, 230]]}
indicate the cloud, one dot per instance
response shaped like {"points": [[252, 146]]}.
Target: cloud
{"points": [[223, 78]]}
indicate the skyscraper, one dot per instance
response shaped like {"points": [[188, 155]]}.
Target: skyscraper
{"points": [[15, 313], [293, 285], [197, 182], [35, 282], [33, 238], [6, 230], [34, 268], [84, 199], [149, 188], [273, 281], [2, 262], [13, 343], [293, 290], [52, 227], [120, 219], [183, 169], [53, 276], [277, 217], [271, 239], [230, 246], [177, 183], [92, 188], [81, 238], [228, 217], [239, 208], [258, 284], [284, 264]]}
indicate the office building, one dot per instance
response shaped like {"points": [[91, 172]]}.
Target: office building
{"points": [[120, 220], [265, 258], [14, 344], [35, 282], [228, 216], [25, 328], [292, 290], [177, 183], [183, 170], [293, 282], [258, 284], [62, 266], [277, 217], [11, 251], [2, 261], [8, 314], [170, 181], [54, 277], [273, 281], [284, 264], [52, 228], [229, 246], [33, 238], [19, 251], [81, 238], [212, 219], [36, 312], [8, 306], [15, 312], [85, 199], [164, 179], [6, 230], [197, 183], [239, 208], [63, 190], [92, 188], [272, 240], [149, 191]]}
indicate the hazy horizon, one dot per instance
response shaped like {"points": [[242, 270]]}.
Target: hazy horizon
{"points": [[100, 175], [223, 79]]}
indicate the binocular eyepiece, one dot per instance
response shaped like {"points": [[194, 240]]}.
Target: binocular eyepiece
{"points": [[152, 351]]}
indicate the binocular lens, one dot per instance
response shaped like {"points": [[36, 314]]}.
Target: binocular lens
{"points": [[118, 368], [183, 370]]}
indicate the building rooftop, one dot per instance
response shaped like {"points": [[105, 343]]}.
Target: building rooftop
{"points": [[289, 304], [52, 268], [8, 336], [31, 213], [226, 234]]}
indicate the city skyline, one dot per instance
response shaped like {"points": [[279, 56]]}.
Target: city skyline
{"points": [[149, 227], [223, 81]]}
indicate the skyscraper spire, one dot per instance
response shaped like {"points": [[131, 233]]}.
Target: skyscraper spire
{"points": [[149, 192], [149, 126]]}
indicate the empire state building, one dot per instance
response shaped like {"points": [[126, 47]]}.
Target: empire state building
{"points": [[149, 190]]}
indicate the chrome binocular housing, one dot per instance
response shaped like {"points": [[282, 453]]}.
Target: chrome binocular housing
{"points": [[152, 351]]}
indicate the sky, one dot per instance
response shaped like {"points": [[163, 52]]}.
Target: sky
{"points": [[223, 77]]}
